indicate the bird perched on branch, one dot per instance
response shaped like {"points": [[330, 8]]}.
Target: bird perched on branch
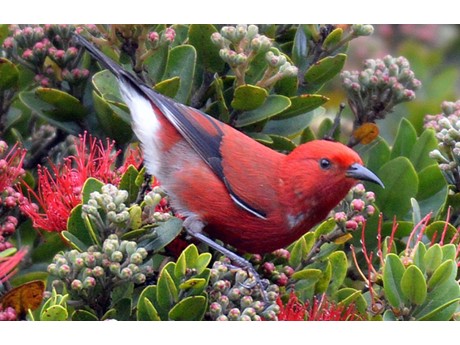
{"points": [[227, 185]]}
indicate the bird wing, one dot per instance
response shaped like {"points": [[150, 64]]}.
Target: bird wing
{"points": [[203, 133]]}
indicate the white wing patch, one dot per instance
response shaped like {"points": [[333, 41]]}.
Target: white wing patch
{"points": [[145, 125]]}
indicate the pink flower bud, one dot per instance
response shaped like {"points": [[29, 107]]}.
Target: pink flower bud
{"points": [[282, 280], [340, 217], [359, 219], [357, 205], [27, 54], [268, 268], [153, 36], [370, 196], [170, 34], [8, 43], [370, 210], [351, 225]]}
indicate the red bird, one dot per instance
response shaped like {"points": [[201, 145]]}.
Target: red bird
{"points": [[228, 185]]}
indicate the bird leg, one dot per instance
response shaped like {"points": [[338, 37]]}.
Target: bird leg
{"points": [[193, 225]]}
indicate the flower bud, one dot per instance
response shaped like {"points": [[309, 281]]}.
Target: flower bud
{"points": [[126, 273], [139, 278], [357, 205], [351, 225], [89, 283], [234, 314], [234, 294], [131, 247], [76, 285], [215, 309]]}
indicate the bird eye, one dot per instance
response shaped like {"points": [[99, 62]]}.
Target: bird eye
{"points": [[325, 163]]}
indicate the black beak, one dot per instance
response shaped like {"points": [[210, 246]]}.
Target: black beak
{"points": [[357, 171]]}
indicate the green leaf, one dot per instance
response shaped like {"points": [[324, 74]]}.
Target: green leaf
{"points": [[273, 105], [323, 71], [440, 304], [333, 38], [191, 308], [291, 127], [121, 292], [83, 315], [76, 226], [74, 241], [446, 271], [4, 32], [106, 85], [300, 46], [433, 189], [166, 232], [325, 227], [168, 87], [339, 265], [248, 97], [112, 119], [413, 285], [287, 86], [123, 309], [199, 36], [346, 296], [406, 138], [281, 143], [419, 256], [435, 231], [202, 262], [419, 155], [449, 252], [324, 280], [181, 63], [308, 273], [401, 184], [181, 266], [167, 294], [155, 65], [9, 75], [392, 275], [302, 104], [191, 255], [299, 250], [128, 183], [378, 154], [90, 185], [433, 258], [54, 313], [195, 283], [145, 310]]}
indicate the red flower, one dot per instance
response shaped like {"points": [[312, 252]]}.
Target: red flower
{"points": [[8, 265], [59, 187], [319, 310]]}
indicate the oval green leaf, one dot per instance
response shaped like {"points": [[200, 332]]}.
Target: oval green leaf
{"points": [[191, 308], [106, 86], [433, 258], [9, 74], [181, 63], [446, 271], [413, 285], [323, 71], [401, 184], [168, 87], [199, 36], [405, 140], [167, 294], [302, 104], [273, 105], [392, 275], [248, 97]]}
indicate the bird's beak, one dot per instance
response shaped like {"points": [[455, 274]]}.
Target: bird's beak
{"points": [[357, 171]]}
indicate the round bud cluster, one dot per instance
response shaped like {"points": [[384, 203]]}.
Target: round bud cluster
{"points": [[107, 209], [234, 296], [155, 206], [241, 43], [31, 45], [156, 40], [275, 267], [94, 270], [353, 211], [447, 128], [383, 83], [8, 314]]}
